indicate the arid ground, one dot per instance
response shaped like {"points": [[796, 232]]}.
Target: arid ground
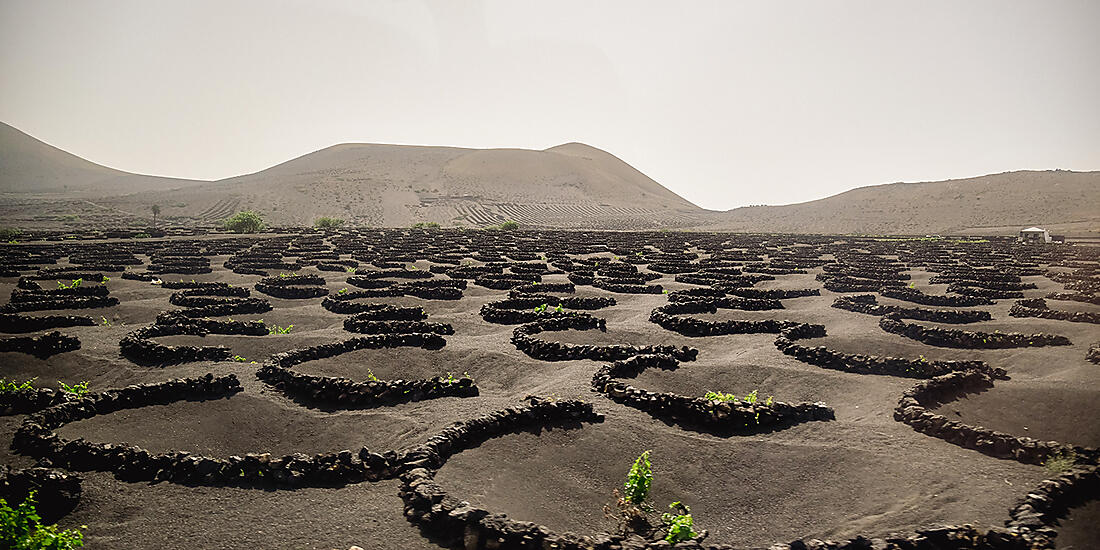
{"points": [[857, 472]]}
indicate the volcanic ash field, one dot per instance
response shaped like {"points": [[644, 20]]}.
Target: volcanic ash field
{"points": [[491, 389]]}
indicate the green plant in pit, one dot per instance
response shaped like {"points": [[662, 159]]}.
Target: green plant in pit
{"points": [[540, 308], [280, 274], [630, 509], [142, 236], [1060, 462], [21, 528], [450, 379], [638, 481], [634, 509], [104, 280], [751, 398], [74, 284], [678, 525], [105, 321], [77, 390], [559, 309], [351, 269], [342, 291], [240, 359], [371, 376], [276, 329], [10, 386]]}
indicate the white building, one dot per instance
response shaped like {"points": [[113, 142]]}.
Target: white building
{"points": [[1034, 235]]}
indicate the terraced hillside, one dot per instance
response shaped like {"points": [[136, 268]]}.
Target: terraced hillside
{"points": [[572, 185]]}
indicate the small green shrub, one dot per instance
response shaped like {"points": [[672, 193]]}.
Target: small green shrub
{"points": [[11, 386], [638, 481], [10, 233], [509, 225], [450, 379], [630, 508], [276, 329], [245, 222], [678, 525], [78, 390], [425, 225], [634, 511], [142, 236], [325, 222], [750, 398], [1060, 462], [74, 284], [21, 528]]}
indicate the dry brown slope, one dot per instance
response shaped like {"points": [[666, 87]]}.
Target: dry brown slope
{"points": [[28, 165], [995, 204], [395, 185]]}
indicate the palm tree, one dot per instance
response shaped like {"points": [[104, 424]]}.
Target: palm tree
{"points": [[156, 212]]}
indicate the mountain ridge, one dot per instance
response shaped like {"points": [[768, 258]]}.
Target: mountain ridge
{"points": [[30, 165], [571, 185]]}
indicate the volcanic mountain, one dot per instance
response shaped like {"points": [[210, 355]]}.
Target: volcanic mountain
{"points": [[30, 166], [569, 186], [1058, 200]]}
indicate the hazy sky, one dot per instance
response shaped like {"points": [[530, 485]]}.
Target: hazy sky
{"points": [[726, 103]]}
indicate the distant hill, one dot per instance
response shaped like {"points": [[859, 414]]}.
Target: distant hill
{"points": [[1058, 200], [569, 186], [28, 165]]}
